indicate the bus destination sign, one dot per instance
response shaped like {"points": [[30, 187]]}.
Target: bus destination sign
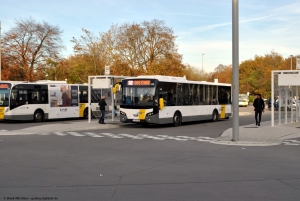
{"points": [[4, 86], [139, 82]]}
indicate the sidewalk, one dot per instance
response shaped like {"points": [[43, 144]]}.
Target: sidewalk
{"points": [[264, 135]]}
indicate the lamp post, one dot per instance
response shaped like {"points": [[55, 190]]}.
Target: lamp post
{"points": [[235, 70], [0, 51], [291, 62], [202, 62]]}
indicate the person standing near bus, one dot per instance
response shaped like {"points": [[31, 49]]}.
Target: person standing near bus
{"points": [[66, 101], [259, 107], [102, 105]]}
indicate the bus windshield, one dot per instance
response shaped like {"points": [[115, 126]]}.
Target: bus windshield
{"points": [[4, 97], [138, 96]]}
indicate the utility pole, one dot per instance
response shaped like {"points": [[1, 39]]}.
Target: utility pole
{"points": [[0, 51], [235, 70]]}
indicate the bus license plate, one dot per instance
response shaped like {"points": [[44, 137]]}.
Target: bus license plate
{"points": [[136, 120]]}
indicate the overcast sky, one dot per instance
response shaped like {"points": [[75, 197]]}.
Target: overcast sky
{"points": [[201, 26]]}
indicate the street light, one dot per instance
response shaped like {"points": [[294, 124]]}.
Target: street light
{"points": [[202, 62], [0, 51], [291, 62]]}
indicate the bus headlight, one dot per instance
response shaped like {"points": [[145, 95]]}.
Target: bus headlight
{"points": [[149, 114], [122, 113]]}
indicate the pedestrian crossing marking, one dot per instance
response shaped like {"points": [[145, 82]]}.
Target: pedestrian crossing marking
{"points": [[76, 134], [131, 136], [92, 134], [291, 142]]}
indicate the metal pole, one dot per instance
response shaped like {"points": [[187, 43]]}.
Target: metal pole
{"points": [[235, 69], [291, 103], [89, 98], [112, 99], [279, 104], [297, 105], [272, 100], [0, 52], [285, 104]]}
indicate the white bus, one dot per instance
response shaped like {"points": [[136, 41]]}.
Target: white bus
{"points": [[42, 100], [166, 99]]}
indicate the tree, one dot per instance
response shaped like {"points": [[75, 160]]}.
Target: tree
{"points": [[29, 45], [223, 73], [255, 75], [142, 46]]}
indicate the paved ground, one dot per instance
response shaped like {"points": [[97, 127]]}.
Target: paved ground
{"points": [[249, 135], [75, 161]]}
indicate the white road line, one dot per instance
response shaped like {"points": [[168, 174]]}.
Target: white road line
{"points": [[44, 134], [291, 144], [111, 135], [171, 138], [60, 133], [75, 134], [3, 130], [296, 141], [126, 135], [93, 134], [134, 137]]}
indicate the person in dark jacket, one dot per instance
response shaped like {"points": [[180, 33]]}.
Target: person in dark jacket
{"points": [[259, 107], [102, 105]]}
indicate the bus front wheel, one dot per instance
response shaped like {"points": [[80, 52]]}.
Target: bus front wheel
{"points": [[177, 119], [38, 116], [215, 116]]}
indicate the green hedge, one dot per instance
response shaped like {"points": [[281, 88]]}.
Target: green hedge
{"points": [[252, 98]]}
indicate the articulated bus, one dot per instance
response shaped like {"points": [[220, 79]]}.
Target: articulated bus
{"points": [[42, 100], [166, 99]]}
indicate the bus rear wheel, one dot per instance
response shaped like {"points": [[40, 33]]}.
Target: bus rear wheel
{"points": [[177, 119], [38, 116], [86, 113]]}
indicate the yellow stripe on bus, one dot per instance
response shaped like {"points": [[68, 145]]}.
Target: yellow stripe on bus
{"points": [[81, 109], [2, 112], [223, 111], [142, 114]]}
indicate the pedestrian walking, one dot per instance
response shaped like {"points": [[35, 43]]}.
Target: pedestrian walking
{"points": [[259, 107], [102, 105]]}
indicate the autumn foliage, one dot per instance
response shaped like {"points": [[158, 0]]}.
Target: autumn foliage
{"points": [[32, 52]]}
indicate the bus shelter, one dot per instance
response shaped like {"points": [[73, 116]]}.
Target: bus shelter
{"points": [[285, 94], [104, 85]]}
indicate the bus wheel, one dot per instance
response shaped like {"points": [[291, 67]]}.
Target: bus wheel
{"points": [[177, 119], [86, 113], [215, 116], [38, 116]]}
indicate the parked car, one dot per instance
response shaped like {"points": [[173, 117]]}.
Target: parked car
{"points": [[269, 104], [243, 100], [294, 105]]}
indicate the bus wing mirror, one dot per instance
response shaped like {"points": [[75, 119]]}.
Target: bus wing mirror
{"points": [[161, 103]]}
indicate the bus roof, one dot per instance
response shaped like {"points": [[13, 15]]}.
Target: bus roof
{"points": [[163, 78]]}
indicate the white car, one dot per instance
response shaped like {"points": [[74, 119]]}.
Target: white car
{"points": [[243, 100]]}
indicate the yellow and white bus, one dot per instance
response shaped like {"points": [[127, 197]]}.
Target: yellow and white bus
{"points": [[42, 100], [166, 99]]}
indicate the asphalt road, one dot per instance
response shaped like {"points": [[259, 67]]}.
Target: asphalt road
{"points": [[74, 168]]}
